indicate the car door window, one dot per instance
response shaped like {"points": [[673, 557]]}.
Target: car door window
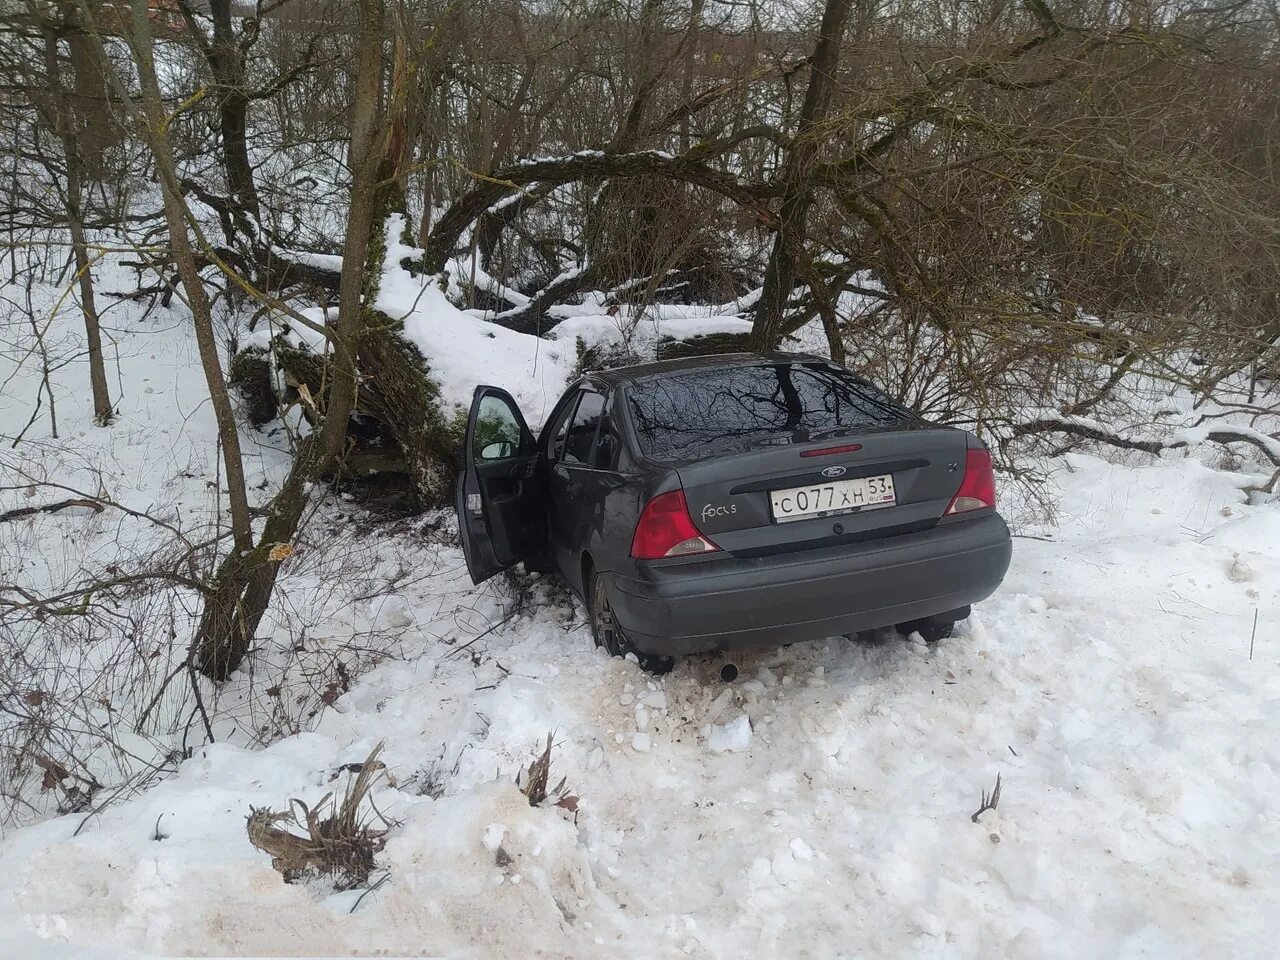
{"points": [[559, 427], [604, 454], [581, 436], [497, 434]]}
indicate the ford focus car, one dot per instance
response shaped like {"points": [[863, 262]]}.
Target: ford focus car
{"points": [[732, 501]]}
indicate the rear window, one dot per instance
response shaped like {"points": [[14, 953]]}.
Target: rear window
{"points": [[728, 410]]}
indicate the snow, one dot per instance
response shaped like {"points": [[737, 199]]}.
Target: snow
{"points": [[819, 806], [323, 261], [1199, 433], [731, 737], [462, 350], [467, 267], [531, 369]]}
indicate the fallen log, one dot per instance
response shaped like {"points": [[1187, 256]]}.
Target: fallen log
{"points": [[1268, 446], [19, 512], [703, 344], [402, 440]]}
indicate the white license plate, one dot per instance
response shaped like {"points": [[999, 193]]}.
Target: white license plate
{"points": [[833, 496]]}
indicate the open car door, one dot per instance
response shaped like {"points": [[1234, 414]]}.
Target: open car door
{"points": [[501, 496]]}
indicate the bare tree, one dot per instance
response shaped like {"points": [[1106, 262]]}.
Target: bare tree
{"points": [[79, 115], [797, 189]]}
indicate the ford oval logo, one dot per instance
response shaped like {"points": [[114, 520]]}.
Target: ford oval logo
{"points": [[833, 472]]}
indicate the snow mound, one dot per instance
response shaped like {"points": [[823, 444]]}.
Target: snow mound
{"points": [[472, 864], [642, 335], [464, 351], [731, 737], [174, 874]]}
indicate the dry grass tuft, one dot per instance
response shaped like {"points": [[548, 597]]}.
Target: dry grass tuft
{"points": [[341, 845], [536, 778]]}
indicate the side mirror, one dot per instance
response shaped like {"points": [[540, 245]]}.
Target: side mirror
{"points": [[498, 450]]}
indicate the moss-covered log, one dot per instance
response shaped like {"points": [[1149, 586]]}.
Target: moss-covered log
{"points": [[397, 390], [399, 425], [705, 344], [251, 376]]}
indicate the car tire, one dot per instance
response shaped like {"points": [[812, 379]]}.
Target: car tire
{"points": [[870, 638], [931, 629], [609, 635]]}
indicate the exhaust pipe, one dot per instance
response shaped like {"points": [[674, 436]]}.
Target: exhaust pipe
{"points": [[729, 673]]}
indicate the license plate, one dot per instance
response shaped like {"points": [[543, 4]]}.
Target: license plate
{"points": [[835, 496]]}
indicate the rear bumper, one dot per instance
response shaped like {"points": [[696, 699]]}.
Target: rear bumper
{"points": [[677, 608]]}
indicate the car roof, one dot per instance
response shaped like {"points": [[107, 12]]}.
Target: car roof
{"points": [[662, 368]]}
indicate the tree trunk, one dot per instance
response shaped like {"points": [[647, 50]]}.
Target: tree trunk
{"points": [[95, 125], [103, 412], [64, 119], [226, 62], [687, 168], [245, 581], [690, 63], [365, 154], [781, 271], [397, 393], [155, 130], [226, 627]]}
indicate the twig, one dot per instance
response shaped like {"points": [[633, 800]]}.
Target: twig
{"points": [[480, 636], [98, 502], [1260, 441], [195, 689], [151, 705], [989, 802], [44, 377], [383, 879], [1253, 636]]}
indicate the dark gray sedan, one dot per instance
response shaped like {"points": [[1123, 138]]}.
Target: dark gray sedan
{"points": [[733, 501]]}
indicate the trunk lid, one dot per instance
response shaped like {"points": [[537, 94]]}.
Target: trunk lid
{"points": [[729, 497]]}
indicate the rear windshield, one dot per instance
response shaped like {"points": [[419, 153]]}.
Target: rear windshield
{"points": [[720, 411]]}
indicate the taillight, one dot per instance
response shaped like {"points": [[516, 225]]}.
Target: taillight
{"points": [[828, 451], [978, 488], [666, 530]]}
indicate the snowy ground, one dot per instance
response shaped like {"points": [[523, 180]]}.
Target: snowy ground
{"points": [[817, 807]]}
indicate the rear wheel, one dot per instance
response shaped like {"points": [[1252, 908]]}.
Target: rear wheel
{"points": [[609, 634], [931, 629], [935, 628]]}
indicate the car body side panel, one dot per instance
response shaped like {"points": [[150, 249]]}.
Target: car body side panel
{"points": [[581, 495], [599, 524], [591, 512], [606, 505]]}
